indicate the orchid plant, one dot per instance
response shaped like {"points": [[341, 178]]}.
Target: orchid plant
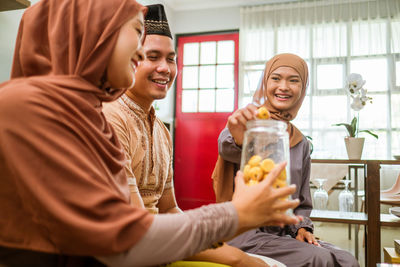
{"points": [[354, 86]]}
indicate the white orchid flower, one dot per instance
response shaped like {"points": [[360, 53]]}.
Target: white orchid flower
{"points": [[355, 82], [357, 104], [359, 98], [364, 97]]}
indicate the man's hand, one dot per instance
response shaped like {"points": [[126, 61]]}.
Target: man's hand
{"points": [[304, 236]]}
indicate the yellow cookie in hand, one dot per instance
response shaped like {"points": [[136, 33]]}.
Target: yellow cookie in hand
{"points": [[267, 165], [263, 113], [254, 160]]}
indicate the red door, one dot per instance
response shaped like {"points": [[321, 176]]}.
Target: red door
{"points": [[207, 86]]}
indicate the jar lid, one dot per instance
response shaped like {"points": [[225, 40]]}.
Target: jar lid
{"points": [[274, 124]]}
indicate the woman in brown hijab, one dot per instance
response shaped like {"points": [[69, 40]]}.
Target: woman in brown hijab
{"points": [[64, 198], [281, 91]]}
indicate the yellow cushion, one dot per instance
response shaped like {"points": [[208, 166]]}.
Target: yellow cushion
{"points": [[195, 264]]}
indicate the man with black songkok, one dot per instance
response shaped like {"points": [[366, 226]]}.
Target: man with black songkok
{"points": [[147, 142]]}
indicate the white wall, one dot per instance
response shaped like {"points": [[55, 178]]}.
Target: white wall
{"points": [[206, 20], [9, 22]]}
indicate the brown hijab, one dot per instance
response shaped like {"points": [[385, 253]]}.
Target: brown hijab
{"points": [[224, 170], [299, 65], [63, 187]]}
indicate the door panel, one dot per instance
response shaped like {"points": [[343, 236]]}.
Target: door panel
{"points": [[206, 95]]}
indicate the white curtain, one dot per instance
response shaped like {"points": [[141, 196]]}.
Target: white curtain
{"points": [[267, 30], [335, 37]]}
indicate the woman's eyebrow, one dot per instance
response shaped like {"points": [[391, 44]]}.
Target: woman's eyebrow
{"points": [[276, 74], [291, 76]]}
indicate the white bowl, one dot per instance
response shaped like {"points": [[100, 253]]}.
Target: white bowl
{"points": [[395, 211], [396, 157]]}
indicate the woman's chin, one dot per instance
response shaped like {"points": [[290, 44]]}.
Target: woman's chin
{"points": [[123, 83]]}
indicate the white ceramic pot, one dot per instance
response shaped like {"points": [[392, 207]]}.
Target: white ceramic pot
{"points": [[354, 146]]}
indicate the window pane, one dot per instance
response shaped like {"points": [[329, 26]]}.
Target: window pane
{"points": [[330, 76], [329, 144], [373, 71], [395, 143], [191, 54], [245, 101], [189, 101], [330, 40], [225, 78], [190, 77], [294, 40], [375, 148], [310, 78], [206, 100], [261, 42], [225, 100], [368, 38], [398, 73], [226, 52], [251, 81], [395, 111], [207, 52], [395, 26], [328, 110], [374, 115], [303, 118], [207, 77]]}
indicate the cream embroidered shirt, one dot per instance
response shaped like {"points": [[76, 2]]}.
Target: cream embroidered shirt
{"points": [[148, 146]]}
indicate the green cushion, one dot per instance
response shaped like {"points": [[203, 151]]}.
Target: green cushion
{"points": [[195, 264]]}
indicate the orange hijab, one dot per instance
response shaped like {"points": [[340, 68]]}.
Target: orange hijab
{"points": [[224, 170], [299, 65], [63, 188]]}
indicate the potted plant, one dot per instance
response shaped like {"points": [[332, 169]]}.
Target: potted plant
{"points": [[355, 144]]}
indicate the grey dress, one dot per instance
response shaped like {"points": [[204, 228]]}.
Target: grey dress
{"points": [[280, 243]]}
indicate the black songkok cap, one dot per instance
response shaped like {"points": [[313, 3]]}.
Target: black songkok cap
{"points": [[156, 21]]}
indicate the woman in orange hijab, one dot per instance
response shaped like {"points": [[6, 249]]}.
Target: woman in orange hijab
{"points": [[64, 198], [281, 91]]}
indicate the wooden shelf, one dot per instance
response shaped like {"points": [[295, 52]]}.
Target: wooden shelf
{"points": [[6, 5], [351, 217], [339, 217]]}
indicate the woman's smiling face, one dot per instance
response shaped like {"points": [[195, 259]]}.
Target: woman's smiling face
{"points": [[127, 53], [284, 87]]}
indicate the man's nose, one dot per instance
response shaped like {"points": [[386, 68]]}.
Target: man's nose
{"points": [[163, 66]]}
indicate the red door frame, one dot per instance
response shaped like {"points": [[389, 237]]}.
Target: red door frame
{"points": [[196, 135]]}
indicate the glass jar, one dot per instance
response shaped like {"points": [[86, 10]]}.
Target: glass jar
{"points": [[265, 144]]}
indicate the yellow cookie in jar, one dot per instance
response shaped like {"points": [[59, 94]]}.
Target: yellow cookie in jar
{"points": [[246, 173], [254, 160], [267, 165], [252, 182], [282, 176], [256, 173], [263, 113], [279, 184]]}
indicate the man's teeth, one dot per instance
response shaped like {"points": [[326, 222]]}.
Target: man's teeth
{"points": [[160, 81]]}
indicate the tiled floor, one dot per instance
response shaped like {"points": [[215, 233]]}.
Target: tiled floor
{"points": [[338, 234]]}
